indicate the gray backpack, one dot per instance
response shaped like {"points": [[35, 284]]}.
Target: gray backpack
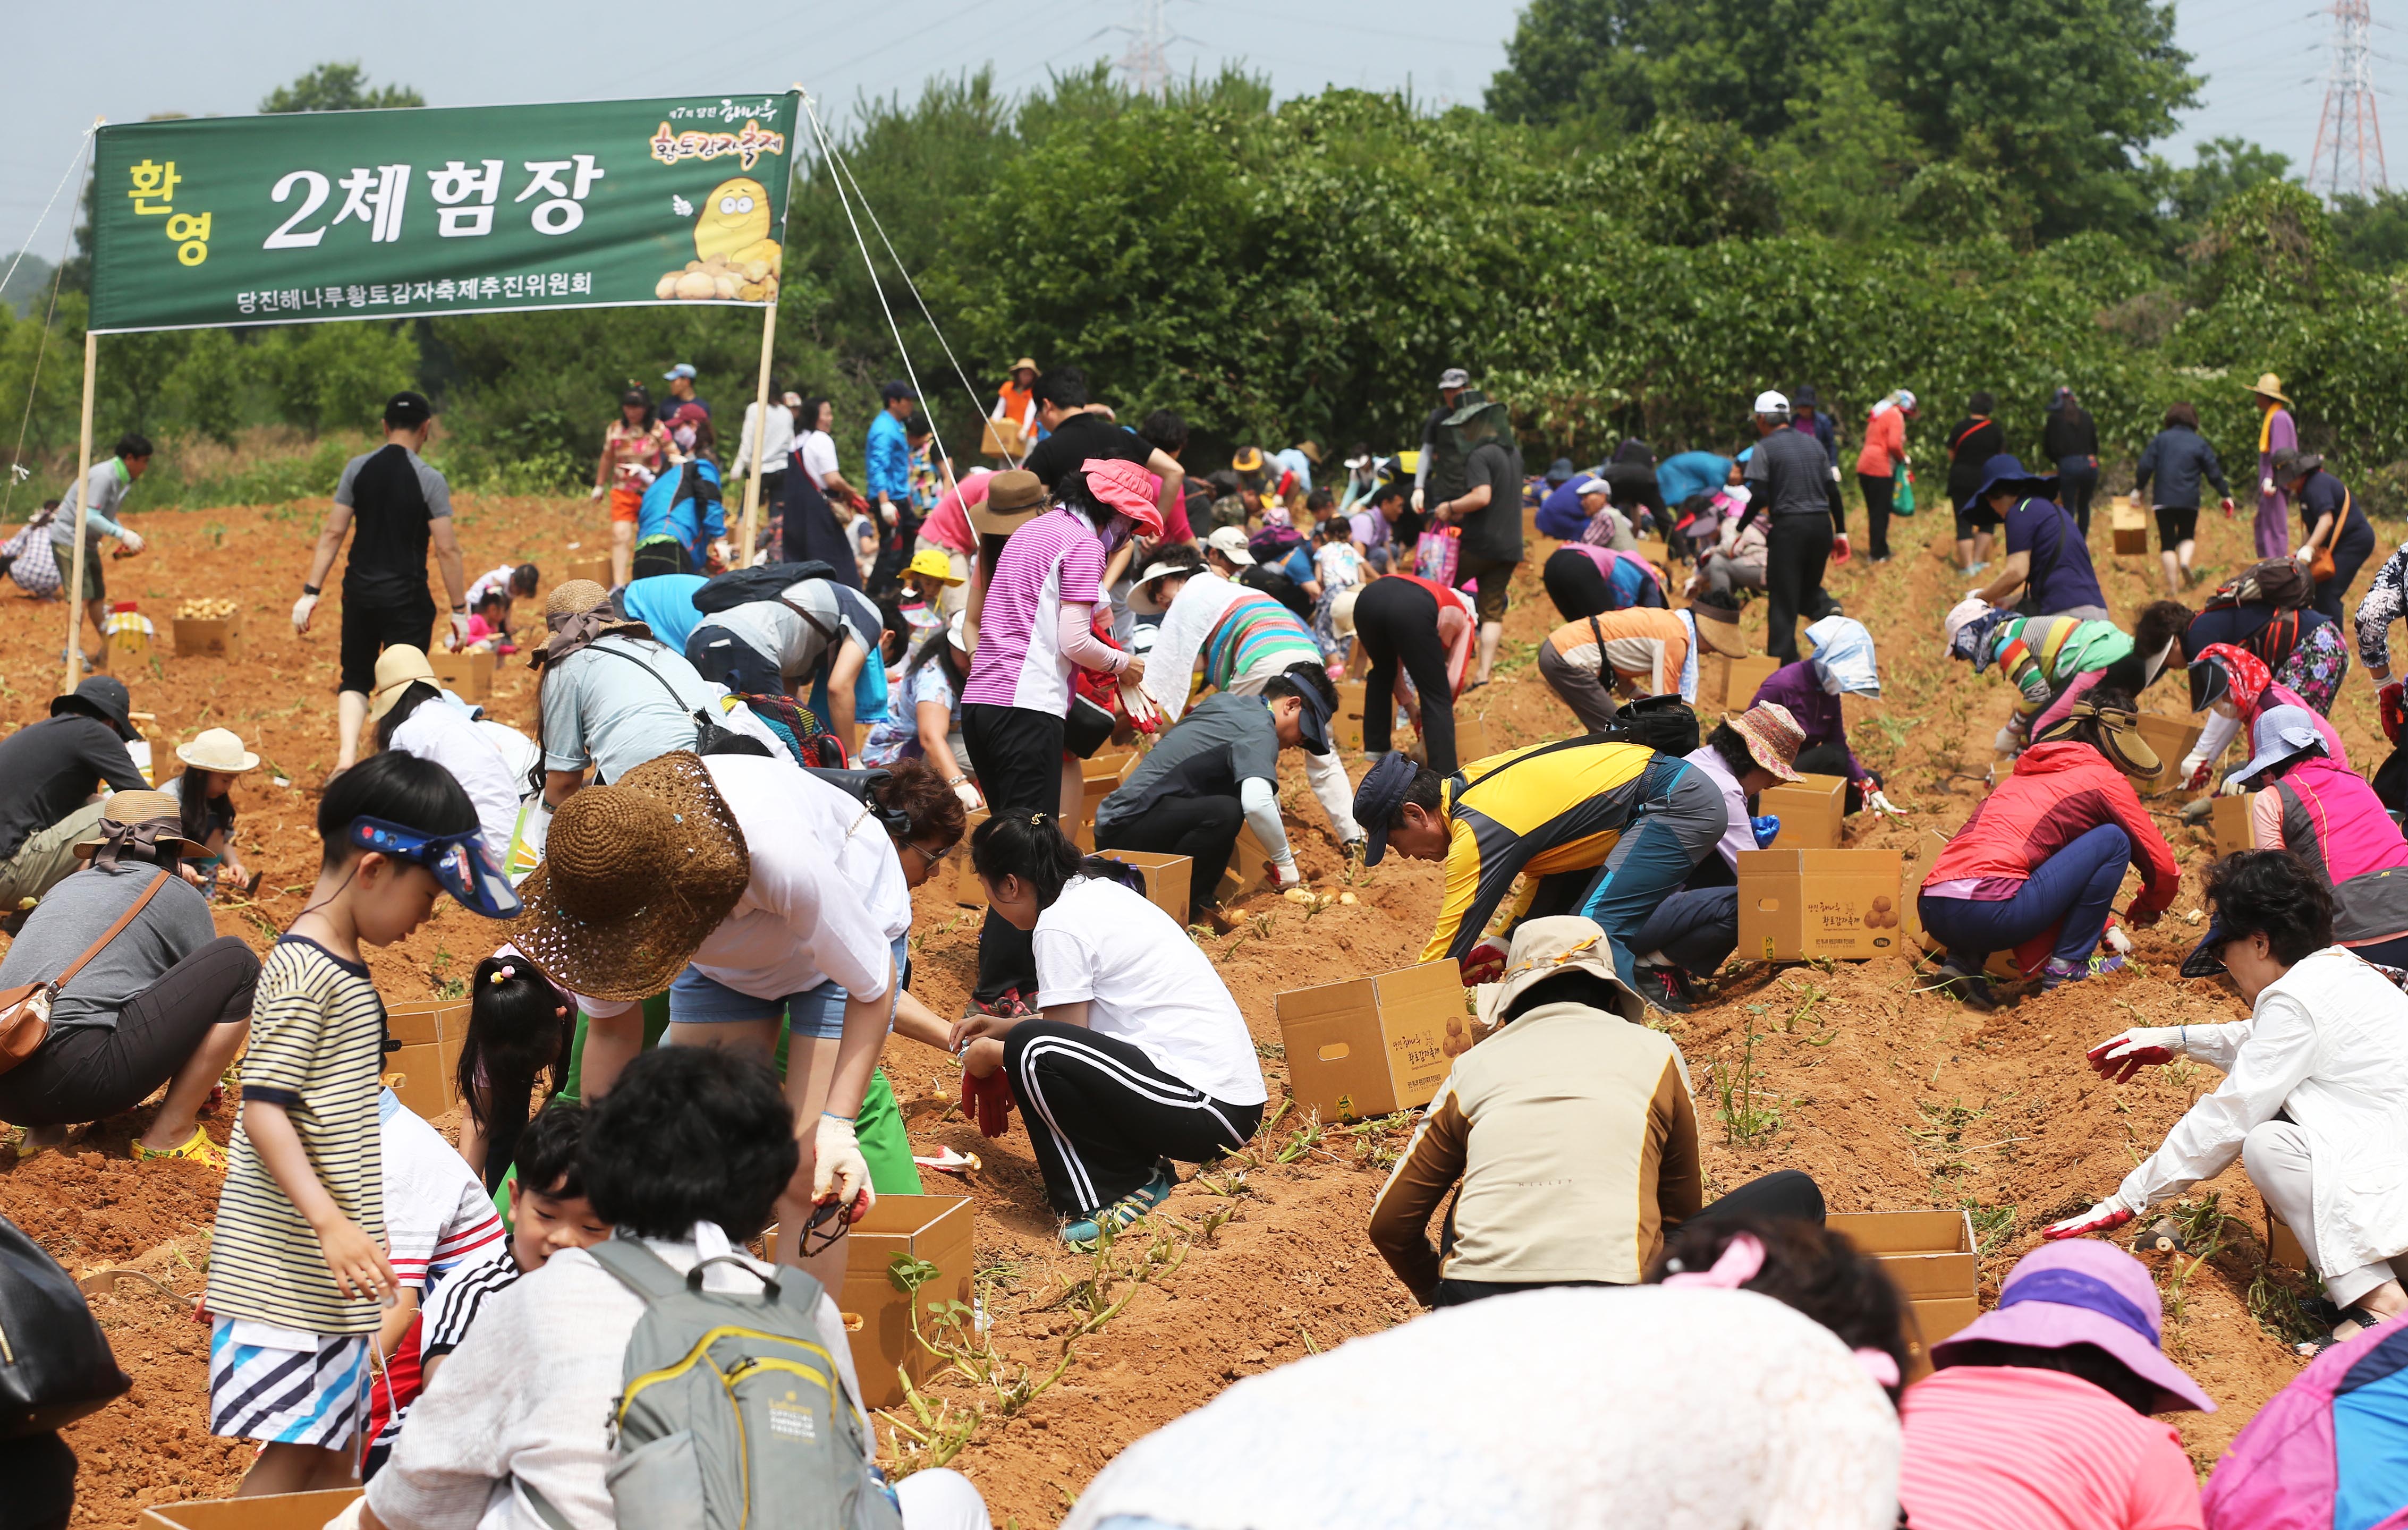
{"points": [[734, 1414]]}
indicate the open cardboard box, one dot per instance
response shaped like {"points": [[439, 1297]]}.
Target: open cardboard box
{"points": [[1932, 1259], [1743, 676], [1372, 1045], [1797, 904], [1166, 878], [597, 570], [1249, 869], [467, 675], [2172, 739], [431, 1033], [1346, 725], [199, 635], [2130, 525], [273, 1511], [968, 892], [1811, 811], [1098, 778], [876, 1313]]}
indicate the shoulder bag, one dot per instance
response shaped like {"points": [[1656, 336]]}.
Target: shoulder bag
{"points": [[25, 1010]]}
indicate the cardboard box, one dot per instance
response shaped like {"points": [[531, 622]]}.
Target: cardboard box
{"points": [[1796, 904], [2131, 523], [1742, 676], [2002, 963], [275, 1511], [2171, 738], [1811, 811], [1346, 727], [1472, 740], [431, 1033], [1098, 778], [1372, 1045], [198, 635], [2283, 1244], [1001, 438], [1167, 879], [1249, 869], [2228, 820], [597, 570], [1931, 1257], [876, 1313], [468, 676], [968, 892]]}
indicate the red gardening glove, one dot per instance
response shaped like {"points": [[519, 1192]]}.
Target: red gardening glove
{"points": [[2199, 776], [2107, 1215], [2119, 1057], [987, 1101], [1484, 962], [2394, 712]]}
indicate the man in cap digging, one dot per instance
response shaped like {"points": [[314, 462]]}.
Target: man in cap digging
{"points": [[49, 773]]}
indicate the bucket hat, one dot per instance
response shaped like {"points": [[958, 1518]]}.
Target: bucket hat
{"points": [[2085, 1292], [1012, 500], [2004, 471], [635, 876], [102, 696], [135, 820], [1718, 628], [2283, 734], [219, 749], [930, 563], [2291, 463], [1806, 398], [399, 667], [1549, 948], [574, 597], [1230, 543], [1025, 363], [1772, 738], [1559, 472], [2270, 386]]}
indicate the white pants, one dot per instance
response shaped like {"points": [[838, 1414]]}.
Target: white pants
{"points": [[941, 1498], [1324, 773], [2276, 1156]]}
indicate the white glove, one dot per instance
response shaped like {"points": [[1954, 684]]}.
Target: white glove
{"points": [[967, 791], [2265, 486], [2010, 740], [1418, 501], [2117, 942], [597, 492], [1878, 801], [1284, 874], [459, 629], [839, 1171], [130, 539], [301, 610]]}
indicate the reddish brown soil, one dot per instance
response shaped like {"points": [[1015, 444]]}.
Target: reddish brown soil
{"points": [[1892, 1101]]}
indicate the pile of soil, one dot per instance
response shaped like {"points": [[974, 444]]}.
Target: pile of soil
{"points": [[1891, 1100]]}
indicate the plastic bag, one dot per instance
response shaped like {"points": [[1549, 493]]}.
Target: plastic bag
{"points": [[1435, 556], [1902, 498]]}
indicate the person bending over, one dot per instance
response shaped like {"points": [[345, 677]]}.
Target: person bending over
{"points": [[2314, 1098], [2234, 686], [2036, 869], [1139, 1054], [1593, 662], [1599, 829], [1425, 629], [1582, 579], [1845, 663], [1570, 1134], [2327, 816]]}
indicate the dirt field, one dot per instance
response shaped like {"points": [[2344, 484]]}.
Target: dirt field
{"points": [[1892, 1101]]}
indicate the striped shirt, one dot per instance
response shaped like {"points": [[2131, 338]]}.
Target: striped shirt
{"points": [[2039, 1449], [1258, 636], [436, 1211], [459, 1299], [1530, 813], [317, 1042], [1052, 561]]}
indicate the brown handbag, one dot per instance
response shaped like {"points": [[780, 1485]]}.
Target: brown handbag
{"points": [[25, 1010]]}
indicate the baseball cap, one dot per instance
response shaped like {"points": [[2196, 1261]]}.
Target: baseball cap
{"points": [[1455, 377], [407, 410], [1769, 401], [1378, 798], [893, 390], [682, 369], [1313, 720], [1230, 542]]}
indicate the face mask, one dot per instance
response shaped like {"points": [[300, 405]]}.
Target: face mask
{"points": [[683, 435]]}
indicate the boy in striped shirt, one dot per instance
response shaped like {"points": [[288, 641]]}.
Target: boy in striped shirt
{"points": [[298, 1274]]}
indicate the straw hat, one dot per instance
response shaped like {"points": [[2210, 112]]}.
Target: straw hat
{"points": [[930, 563], [1012, 500], [1718, 628], [1341, 610], [635, 876], [1023, 365], [1548, 947], [1772, 738], [575, 596], [1310, 452], [397, 669], [2270, 386], [157, 813], [219, 749]]}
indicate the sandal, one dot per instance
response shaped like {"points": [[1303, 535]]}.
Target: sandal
{"points": [[200, 1149]]}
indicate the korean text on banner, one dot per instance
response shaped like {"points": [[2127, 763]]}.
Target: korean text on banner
{"points": [[474, 209]]}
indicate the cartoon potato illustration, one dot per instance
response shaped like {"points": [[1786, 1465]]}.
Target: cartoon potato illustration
{"points": [[734, 222]]}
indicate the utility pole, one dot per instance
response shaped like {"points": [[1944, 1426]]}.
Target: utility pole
{"points": [[2348, 158], [1146, 65]]}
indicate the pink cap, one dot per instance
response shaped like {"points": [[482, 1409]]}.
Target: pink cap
{"points": [[1128, 488]]}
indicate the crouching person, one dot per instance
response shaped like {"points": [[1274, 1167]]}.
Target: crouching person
{"points": [[2314, 1098], [685, 1158], [1571, 1133], [1139, 1055]]}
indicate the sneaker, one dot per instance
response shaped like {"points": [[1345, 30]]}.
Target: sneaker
{"points": [[1664, 988], [1089, 1230], [1007, 1005], [1970, 989], [2058, 972]]}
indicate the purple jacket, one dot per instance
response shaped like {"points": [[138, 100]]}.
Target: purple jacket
{"points": [[1797, 687]]}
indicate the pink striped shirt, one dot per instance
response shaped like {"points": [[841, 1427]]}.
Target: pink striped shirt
{"points": [[1053, 561], [2007, 1447]]}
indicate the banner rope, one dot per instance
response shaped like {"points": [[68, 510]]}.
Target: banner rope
{"points": [[18, 472]]}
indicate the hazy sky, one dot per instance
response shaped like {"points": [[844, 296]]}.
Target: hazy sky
{"points": [[2265, 69]]}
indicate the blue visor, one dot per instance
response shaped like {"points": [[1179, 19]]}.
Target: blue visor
{"points": [[459, 861]]}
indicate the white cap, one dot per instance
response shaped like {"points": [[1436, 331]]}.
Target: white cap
{"points": [[1230, 543], [1962, 612], [1591, 484], [1771, 403]]}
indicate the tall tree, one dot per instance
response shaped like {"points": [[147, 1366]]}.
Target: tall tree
{"points": [[338, 87], [1624, 64]]}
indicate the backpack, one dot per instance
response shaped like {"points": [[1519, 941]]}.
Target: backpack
{"points": [[1664, 723], [2279, 582], [55, 1366], [730, 1401], [799, 728], [28, 559], [745, 586]]}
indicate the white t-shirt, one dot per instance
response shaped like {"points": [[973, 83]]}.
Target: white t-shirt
{"points": [[447, 735], [827, 896], [818, 455], [1145, 983], [437, 1213], [779, 632]]}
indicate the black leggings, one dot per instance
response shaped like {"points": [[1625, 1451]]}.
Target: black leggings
{"points": [[1017, 753], [1881, 498], [92, 1072], [1101, 1115], [1796, 548], [1784, 1194], [1397, 621], [1204, 829]]}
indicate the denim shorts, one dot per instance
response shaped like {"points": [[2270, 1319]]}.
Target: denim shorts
{"points": [[815, 1014]]}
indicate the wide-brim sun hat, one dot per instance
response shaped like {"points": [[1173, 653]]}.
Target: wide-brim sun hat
{"points": [[1965, 610], [157, 812], [105, 698], [2120, 738], [2270, 386], [1718, 628], [1341, 610], [1772, 737], [1145, 598], [635, 876], [2281, 734], [219, 749], [1012, 500], [1127, 487], [930, 563], [1025, 365], [574, 597], [1549, 948], [1309, 451], [2006, 471], [397, 669], [2083, 1291], [1230, 543], [2291, 463]]}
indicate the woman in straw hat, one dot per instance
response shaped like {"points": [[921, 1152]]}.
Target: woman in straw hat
{"points": [[2276, 432], [204, 796], [166, 1001]]}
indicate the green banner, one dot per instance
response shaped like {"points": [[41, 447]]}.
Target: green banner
{"points": [[205, 222]]}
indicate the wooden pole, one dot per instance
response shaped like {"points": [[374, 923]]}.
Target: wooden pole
{"points": [[82, 510], [760, 435]]}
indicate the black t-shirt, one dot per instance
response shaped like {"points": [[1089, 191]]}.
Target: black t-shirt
{"points": [[1971, 446], [2069, 433], [2323, 495], [395, 498], [49, 768], [1079, 437], [1493, 531]]}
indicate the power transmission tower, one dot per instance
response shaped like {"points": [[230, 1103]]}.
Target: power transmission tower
{"points": [[2348, 158], [1146, 63]]}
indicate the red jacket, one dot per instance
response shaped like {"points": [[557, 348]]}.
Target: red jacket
{"points": [[2058, 793]]}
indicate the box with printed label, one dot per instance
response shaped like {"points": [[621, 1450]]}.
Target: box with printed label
{"points": [[1166, 878], [968, 892], [1932, 1259], [1811, 811], [1373, 1045], [2230, 822], [1798, 903]]}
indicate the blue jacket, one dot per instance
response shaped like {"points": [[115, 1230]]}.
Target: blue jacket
{"points": [[889, 453], [2178, 458], [664, 603], [664, 514], [1687, 473]]}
